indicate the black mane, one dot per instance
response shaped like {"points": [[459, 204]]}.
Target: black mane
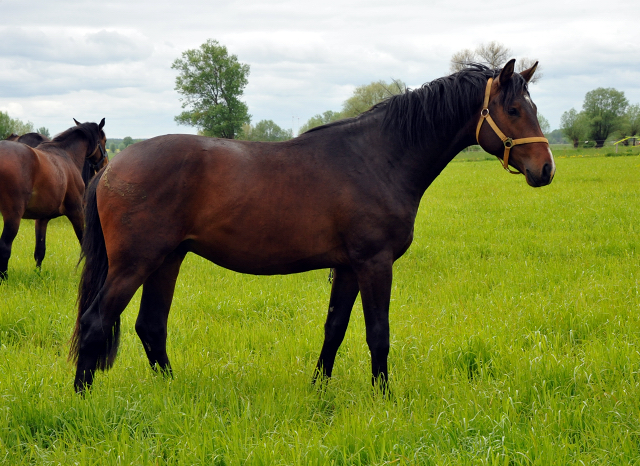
{"points": [[440, 107], [89, 131], [87, 172]]}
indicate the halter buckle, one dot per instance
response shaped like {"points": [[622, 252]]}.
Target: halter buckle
{"points": [[508, 143]]}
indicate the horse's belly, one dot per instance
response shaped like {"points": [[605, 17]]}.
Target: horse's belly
{"points": [[42, 206], [266, 255]]}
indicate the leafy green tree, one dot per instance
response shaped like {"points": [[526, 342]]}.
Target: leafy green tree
{"points": [[574, 126], [544, 124], [44, 131], [633, 119], [366, 96], [112, 147], [604, 109], [211, 82], [556, 137], [265, 130], [5, 125], [20, 127], [319, 120], [127, 141], [10, 125]]}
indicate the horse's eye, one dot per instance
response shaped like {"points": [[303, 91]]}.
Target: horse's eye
{"points": [[513, 111]]}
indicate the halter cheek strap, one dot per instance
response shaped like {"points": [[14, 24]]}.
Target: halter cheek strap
{"points": [[508, 142], [103, 155]]}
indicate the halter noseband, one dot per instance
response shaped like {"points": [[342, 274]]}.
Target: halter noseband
{"points": [[508, 142]]}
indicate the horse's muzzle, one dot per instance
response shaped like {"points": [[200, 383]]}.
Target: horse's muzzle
{"points": [[545, 177]]}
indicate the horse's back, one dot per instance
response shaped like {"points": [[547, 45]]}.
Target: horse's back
{"points": [[259, 208], [17, 160]]}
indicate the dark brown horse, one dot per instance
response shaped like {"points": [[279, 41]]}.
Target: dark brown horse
{"points": [[341, 196], [46, 182], [30, 139]]}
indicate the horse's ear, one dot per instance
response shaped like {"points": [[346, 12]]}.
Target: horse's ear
{"points": [[77, 122], [507, 72], [101, 125], [528, 74]]}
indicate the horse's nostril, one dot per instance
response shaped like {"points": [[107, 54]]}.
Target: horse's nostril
{"points": [[546, 172]]}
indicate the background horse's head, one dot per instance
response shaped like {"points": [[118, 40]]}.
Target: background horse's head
{"points": [[508, 127], [97, 155]]}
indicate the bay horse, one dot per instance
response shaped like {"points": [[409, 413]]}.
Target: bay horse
{"points": [[30, 139], [342, 196], [47, 181]]}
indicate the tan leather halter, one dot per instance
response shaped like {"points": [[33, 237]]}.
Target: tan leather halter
{"points": [[508, 142]]}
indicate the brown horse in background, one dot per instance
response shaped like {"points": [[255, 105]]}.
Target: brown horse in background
{"points": [[342, 196], [46, 182], [30, 139]]}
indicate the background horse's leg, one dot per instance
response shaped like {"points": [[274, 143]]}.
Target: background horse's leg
{"points": [[75, 215], [343, 294], [100, 324], [374, 279], [151, 325], [9, 232], [41, 235]]}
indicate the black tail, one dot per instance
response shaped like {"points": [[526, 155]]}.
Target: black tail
{"points": [[94, 274]]}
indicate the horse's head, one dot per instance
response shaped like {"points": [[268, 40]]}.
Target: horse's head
{"points": [[508, 127], [98, 157]]}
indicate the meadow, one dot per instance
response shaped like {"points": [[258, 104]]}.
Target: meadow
{"points": [[515, 340]]}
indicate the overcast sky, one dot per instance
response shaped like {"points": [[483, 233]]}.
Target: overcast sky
{"points": [[87, 60]]}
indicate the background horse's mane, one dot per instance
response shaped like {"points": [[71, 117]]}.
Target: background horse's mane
{"points": [[88, 131], [440, 107]]}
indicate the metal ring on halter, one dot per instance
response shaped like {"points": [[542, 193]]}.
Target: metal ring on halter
{"points": [[483, 114], [508, 143]]}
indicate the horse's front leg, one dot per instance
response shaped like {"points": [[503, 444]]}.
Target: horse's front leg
{"points": [[374, 281], [41, 236], [343, 294], [76, 217], [9, 232]]}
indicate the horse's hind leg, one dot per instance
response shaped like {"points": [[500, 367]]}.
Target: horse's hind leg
{"points": [[151, 325], [343, 294], [9, 232], [41, 235], [100, 325]]}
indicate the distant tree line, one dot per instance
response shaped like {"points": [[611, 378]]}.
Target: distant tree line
{"points": [[605, 111], [115, 145], [10, 125]]}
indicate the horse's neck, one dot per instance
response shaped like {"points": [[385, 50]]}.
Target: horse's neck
{"points": [[422, 163], [76, 150]]}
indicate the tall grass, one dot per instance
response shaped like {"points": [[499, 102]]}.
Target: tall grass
{"points": [[515, 336]]}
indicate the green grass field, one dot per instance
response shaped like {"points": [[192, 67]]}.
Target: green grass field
{"points": [[515, 333]]}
